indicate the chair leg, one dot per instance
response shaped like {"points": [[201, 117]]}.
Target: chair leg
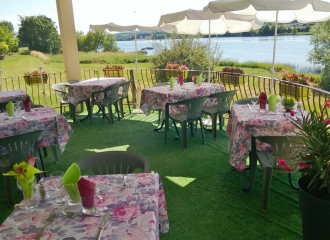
{"points": [[110, 113], [184, 133], [191, 125], [61, 106], [45, 151], [253, 164], [220, 121], [159, 112], [267, 172], [7, 182], [54, 154], [73, 112], [129, 108], [120, 101], [214, 125], [90, 112], [42, 165], [177, 131], [117, 110], [202, 129]]}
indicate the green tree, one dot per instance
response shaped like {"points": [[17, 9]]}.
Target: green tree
{"points": [[3, 48], [99, 38], [320, 53], [89, 42], [80, 40], [7, 24], [294, 31], [9, 38], [39, 33], [189, 51], [110, 43], [307, 28]]}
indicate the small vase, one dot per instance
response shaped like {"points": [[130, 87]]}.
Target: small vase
{"points": [[28, 187], [288, 108]]}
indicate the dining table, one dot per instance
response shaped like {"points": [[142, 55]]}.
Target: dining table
{"points": [[246, 123], [136, 212], [56, 129], [13, 95]]}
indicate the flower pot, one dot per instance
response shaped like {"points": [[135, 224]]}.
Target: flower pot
{"points": [[232, 79], [288, 108], [35, 79], [113, 73], [291, 90], [315, 214], [175, 73]]}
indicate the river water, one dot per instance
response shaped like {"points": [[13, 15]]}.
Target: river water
{"points": [[290, 50]]}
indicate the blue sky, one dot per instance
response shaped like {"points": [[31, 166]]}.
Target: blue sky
{"points": [[147, 12]]}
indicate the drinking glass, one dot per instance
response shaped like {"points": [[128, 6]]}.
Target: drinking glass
{"points": [[279, 104], [56, 180], [101, 191], [254, 101], [18, 107]]}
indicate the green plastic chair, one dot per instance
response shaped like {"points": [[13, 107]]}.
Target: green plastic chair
{"points": [[189, 115], [114, 162], [224, 100], [283, 147], [16, 149], [3, 106], [124, 95], [110, 97], [160, 110]]}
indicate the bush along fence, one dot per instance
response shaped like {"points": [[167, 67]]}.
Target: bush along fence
{"points": [[246, 86]]}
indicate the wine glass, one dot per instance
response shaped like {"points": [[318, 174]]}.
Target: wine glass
{"points": [[279, 103], [254, 101], [18, 107], [56, 180], [101, 191]]}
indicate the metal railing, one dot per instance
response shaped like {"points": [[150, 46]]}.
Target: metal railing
{"points": [[246, 86]]}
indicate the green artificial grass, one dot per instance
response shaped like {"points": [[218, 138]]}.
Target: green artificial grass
{"points": [[204, 195]]}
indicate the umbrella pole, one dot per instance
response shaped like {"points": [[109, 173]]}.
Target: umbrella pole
{"points": [[209, 50], [1, 79], [137, 110], [274, 51], [43, 86]]}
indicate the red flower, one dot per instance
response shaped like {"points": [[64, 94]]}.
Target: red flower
{"points": [[31, 161], [281, 162], [303, 165], [19, 170], [327, 103], [292, 113], [327, 121]]}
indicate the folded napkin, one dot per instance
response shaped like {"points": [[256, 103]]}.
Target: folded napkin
{"points": [[180, 80], [97, 74], [272, 102], [70, 179], [87, 192], [10, 109], [27, 104], [199, 79], [262, 100], [171, 82]]}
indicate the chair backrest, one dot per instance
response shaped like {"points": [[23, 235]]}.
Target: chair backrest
{"points": [[3, 106], [194, 107], [72, 81], [114, 162], [18, 147], [160, 84], [125, 87], [286, 148], [224, 100], [110, 92], [60, 89]]}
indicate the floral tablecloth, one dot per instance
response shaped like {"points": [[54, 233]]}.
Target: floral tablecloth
{"points": [[137, 212], [243, 122], [84, 89], [157, 97], [56, 128], [13, 95]]}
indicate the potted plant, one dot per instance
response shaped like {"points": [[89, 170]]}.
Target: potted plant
{"points": [[314, 184], [114, 70], [288, 103], [35, 78], [231, 75], [174, 69], [292, 90]]}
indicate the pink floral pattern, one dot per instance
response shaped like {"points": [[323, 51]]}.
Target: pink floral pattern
{"points": [[56, 128], [242, 123], [157, 97], [136, 213], [84, 89], [13, 95]]}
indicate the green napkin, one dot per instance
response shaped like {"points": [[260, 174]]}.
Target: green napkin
{"points": [[97, 74], [199, 79], [10, 109], [171, 82], [272, 100], [70, 179]]}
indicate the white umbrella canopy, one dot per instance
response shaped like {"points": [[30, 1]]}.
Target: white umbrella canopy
{"points": [[124, 28], [277, 11], [192, 22]]}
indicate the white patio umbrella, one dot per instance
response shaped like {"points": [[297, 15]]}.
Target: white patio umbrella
{"points": [[192, 22], [122, 28], [277, 11]]}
